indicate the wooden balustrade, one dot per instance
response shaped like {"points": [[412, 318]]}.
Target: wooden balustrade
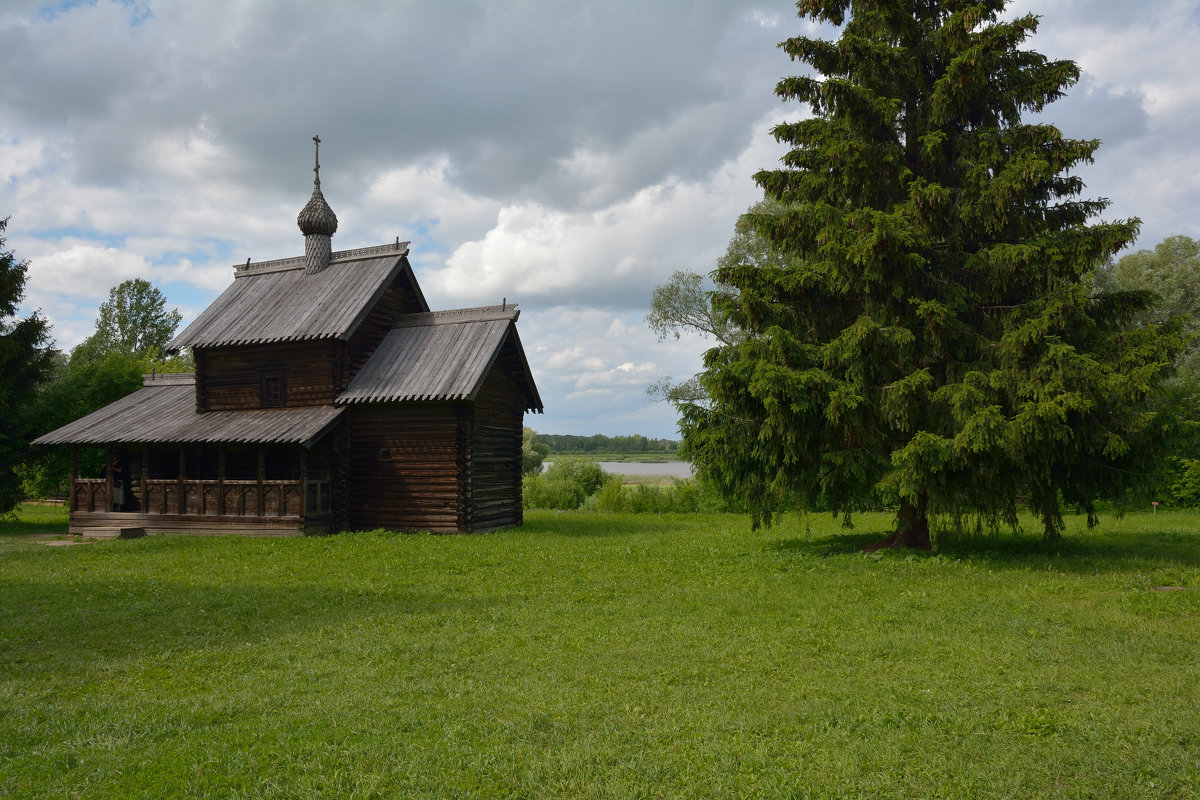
{"points": [[89, 494], [212, 498]]}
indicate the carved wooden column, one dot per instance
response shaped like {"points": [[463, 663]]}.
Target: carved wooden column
{"points": [[145, 502], [71, 505], [108, 480], [262, 467], [181, 496], [304, 484], [220, 481]]}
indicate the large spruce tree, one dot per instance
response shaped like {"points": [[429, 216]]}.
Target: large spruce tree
{"points": [[932, 345], [25, 362]]}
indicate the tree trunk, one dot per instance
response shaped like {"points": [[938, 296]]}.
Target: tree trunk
{"points": [[912, 527]]}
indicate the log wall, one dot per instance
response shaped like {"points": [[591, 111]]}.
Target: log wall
{"points": [[441, 467], [494, 489], [230, 378], [405, 466]]}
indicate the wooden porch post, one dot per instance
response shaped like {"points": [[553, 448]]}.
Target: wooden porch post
{"points": [[220, 480], [74, 477], [145, 479], [108, 480], [202, 500], [304, 483], [262, 467], [182, 495]]}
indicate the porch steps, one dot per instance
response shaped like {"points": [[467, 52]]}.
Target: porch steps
{"points": [[113, 533]]}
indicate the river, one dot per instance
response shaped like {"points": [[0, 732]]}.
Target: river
{"points": [[673, 469]]}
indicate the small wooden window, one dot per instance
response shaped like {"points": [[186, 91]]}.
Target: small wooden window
{"points": [[272, 387]]}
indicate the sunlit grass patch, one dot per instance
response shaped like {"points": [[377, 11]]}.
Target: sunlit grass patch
{"points": [[30, 520]]}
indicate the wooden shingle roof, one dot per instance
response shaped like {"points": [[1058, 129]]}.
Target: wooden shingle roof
{"points": [[275, 301], [164, 412], [443, 355]]}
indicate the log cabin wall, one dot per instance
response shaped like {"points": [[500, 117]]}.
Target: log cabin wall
{"points": [[495, 466], [405, 471], [229, 378]]}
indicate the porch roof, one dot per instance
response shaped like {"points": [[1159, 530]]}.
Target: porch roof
{"points": [[164, 412]]}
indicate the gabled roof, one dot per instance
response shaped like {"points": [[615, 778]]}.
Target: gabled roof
{"points": [[275, 301], [443, 355], [164, 412]]}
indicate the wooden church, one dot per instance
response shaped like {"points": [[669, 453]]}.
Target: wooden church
{"points": [[327, 397]]}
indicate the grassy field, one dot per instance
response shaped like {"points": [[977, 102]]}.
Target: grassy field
{"points": [[591, 655]]}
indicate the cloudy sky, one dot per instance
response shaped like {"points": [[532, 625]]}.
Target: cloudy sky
{"points": [[565, 155]]}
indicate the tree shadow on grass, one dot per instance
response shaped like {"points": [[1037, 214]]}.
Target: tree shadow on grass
{"points": [[1077, 552], [826, 546], [61, 623], [589, 524]]}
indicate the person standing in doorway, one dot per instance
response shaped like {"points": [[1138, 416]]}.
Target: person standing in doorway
{"points": [[118, 485]]}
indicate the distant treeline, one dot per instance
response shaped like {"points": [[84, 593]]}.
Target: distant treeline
{"points": [[565, 444]]}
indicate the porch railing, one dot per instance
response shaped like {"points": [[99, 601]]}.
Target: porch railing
{"points": [[205, 498]]}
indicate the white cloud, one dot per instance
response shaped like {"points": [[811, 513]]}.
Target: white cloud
{"points": [[425, 192], [612, 256], [622, 375], [19, 158], [83, 270]]}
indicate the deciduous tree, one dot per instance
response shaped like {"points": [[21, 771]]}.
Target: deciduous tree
{"points": [[130, 334], [133, 320], [683, 306], [931, 339], [1171, 270]]}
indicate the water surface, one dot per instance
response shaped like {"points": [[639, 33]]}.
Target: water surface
{"points": [[674, 469]]}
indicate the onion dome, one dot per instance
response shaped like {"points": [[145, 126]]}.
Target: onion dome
{"points": [[317, 216], [317, 222]]}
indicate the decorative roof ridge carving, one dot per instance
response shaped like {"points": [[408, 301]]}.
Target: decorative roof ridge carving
{"points": [[456, 316], [169, 379], [297, 262]]}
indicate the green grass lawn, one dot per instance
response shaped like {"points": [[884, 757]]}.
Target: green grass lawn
{"points": [[591, 655]]}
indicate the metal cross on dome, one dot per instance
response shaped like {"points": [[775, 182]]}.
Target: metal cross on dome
{"points": [[317, 159]]}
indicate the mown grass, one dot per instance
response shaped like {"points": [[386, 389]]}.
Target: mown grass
{"points": [[604, 655]]}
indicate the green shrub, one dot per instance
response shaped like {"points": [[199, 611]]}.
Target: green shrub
{"points": [[564, 485], [571, 483], [1186, 490], [683, 496], [611, 497]]}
